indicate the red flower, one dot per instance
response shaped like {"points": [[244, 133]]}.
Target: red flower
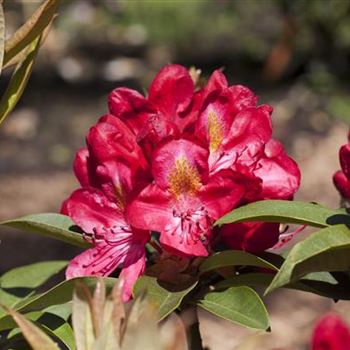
{"points": [[253, 237], [341, 178], [166, 111], [331, 333], [184, 201], [238, 137], [233, 128], [174, 162], [108, 172]]}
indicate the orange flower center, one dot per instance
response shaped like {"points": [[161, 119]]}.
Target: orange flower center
{"points": [[215, 132], [183, 178], [120, 196]]}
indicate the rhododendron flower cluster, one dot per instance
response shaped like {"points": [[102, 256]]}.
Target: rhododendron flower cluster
{"points": [[173, 163], [341, 178]]}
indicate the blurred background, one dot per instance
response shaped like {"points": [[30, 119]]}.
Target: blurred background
{"points": [[295, 54]]}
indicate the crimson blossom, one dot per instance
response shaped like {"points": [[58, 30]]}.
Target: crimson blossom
{"points": [[331, 333], [341, 178], [174, 162]]}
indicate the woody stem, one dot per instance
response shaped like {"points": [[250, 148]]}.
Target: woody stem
{"points": [[190, 319]]}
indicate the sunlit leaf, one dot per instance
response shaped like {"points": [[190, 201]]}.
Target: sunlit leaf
{"points": [[293, 212], [52, 225], [320, 283], [325, 250], [31, 276], [231, 258], [59, 294], [30, 30], [37, 339], [61, 310], [165, 301], [63, 332], [240, 305], [18, 81]]}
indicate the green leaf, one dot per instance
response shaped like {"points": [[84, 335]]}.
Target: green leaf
{"points": [[61, 310], [7, 299], [52, 225], [30, 30], [324, 284], [293, 212], [247, 279], [37, 339], [57, 328], [31, 276], [18, 81], [320, 283], [61, 293], [2, 35], [325, 250], [231, 258], [54, 326], [8, 323], [240, 305], [166, 301]]}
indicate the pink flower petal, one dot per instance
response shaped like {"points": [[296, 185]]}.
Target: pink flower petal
{"points": [[180, 166], [111, 139], [222, 193], [90, 209], [171, 90], [80, 167], [344, 157], [342, 184], [280, 173], [130, 106], [134, 267], [331, 333]]}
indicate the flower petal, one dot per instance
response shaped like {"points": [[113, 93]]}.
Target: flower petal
{"points": [[253, 237], [156, 210], [331, 333], [133, 267], [344, 157], [180, 243], [222, 193], [241, 98], [90, 209], [220, 105], [110, 139], [280, 173], [342, 184], [180, 166], [171, 90], [151, 209], [130, 106], [251, 128], [80, 167], [217, 83], [101, 260]]}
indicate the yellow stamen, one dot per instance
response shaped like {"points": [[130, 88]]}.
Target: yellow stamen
{"points": [[120, 197], [183, 178], [215, 132]]}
